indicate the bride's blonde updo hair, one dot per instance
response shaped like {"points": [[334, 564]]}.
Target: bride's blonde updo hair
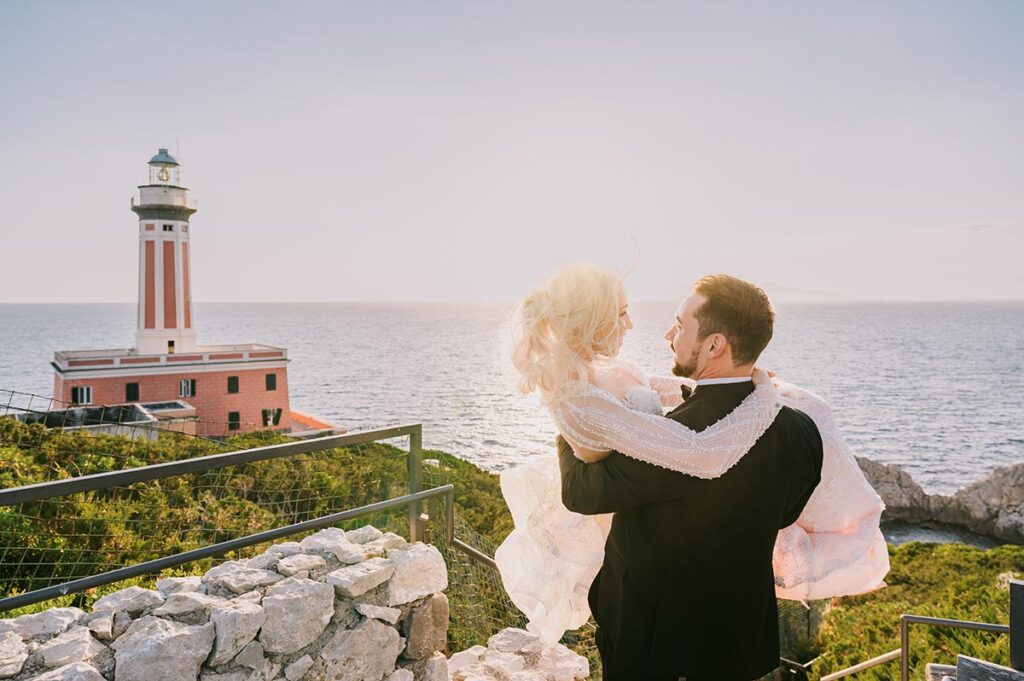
{"points": [[564, 325]]}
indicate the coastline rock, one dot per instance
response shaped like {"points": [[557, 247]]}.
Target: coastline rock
{"points": [[518, 654], [904, 499], [173, 585], [300, 562], [992, 506]]}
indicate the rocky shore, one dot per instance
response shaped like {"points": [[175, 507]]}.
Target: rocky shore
{"points": [[992, 506]]}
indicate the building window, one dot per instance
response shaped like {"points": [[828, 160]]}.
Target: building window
{"points": [[81, 394], [271, 417], [187, 387], [168, 228], [232, 384], [131, 392], [271, 381], [234, 420], [170, 347]]}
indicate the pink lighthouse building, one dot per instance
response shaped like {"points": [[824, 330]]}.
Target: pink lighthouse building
{"points": [[228, 388]]}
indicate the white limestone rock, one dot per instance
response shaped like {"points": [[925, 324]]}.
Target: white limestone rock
{"points": [[285, 549], [559, 663], [364, 534], [366, 653], [101, 624], [501, 664], [355, 580], [154, 648], [300, 562], [239, 578], [236, 624], [251, 596], [433, 668], [174, 585], [76, 671], [389, 615], [74, 645], [400, 675], [132, 600], [13, 653], [47, 623], [266, 561], [297, 612], [513, 640], [388, 540], [296, 669], [465, 659], [251, 655], [419, 571], [183, 603]]}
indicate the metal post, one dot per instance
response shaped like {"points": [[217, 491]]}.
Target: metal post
{"points": [[1017, 624], [415, 482], [904, 648]]}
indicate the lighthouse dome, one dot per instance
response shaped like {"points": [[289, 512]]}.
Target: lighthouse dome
{"points": [[164, 158]]}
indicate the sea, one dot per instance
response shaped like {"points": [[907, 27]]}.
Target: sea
{"points": [[935, 387]]}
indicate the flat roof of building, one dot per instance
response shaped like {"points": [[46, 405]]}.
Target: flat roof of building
{"points": [[121, 358]]}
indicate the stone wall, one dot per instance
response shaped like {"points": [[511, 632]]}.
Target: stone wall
{"points": [[992, 506], [344, 606]]}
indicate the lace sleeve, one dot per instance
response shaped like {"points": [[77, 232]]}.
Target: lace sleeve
{"points": [[669, 389], [596, 420]]}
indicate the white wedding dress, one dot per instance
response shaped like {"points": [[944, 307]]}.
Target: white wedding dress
{"points": [[549, 560]]}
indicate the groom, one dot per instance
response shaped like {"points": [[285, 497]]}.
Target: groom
{"points": [[687, 589]]}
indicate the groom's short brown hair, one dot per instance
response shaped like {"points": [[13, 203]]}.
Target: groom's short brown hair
{"points": [[739, 311]]}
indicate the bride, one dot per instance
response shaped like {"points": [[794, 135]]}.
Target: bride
{"points": [[568, 336]]}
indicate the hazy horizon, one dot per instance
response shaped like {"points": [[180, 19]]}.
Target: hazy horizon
{"points": [[461, 152]]}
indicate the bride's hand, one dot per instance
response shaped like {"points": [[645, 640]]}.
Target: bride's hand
{"points": [[762, 376], [589, 455]]}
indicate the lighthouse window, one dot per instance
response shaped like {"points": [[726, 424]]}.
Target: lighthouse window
{"points": [[234, 420], [271, 417], [187, 387], [232, 384], [168, 228], [81, 394], [131, 392], [271, 381]]}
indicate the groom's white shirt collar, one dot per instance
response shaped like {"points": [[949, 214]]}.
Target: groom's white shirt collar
{"points": [[723, 381]]}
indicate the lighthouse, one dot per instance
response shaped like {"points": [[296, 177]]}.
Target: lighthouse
{"points": [[165, 280], [224, 388]]}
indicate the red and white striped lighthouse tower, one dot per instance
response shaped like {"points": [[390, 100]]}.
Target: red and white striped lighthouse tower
{"points": [[165, 286]]}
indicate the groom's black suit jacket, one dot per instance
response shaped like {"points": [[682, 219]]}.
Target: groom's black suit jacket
{"points": [[687, 586]]}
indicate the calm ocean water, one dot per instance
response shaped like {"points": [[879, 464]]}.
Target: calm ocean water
{"points": [[937, 387]]}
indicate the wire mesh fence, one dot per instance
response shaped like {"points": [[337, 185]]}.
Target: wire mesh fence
{"points": [[55, 539]]}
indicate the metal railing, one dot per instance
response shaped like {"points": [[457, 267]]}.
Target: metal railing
{"points": [[1015, 630], [413, 499]]}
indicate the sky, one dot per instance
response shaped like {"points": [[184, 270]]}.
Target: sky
{"points": [[385, 151]]}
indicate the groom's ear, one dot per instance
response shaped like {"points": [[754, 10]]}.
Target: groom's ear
{"points": [[716, 346]]}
